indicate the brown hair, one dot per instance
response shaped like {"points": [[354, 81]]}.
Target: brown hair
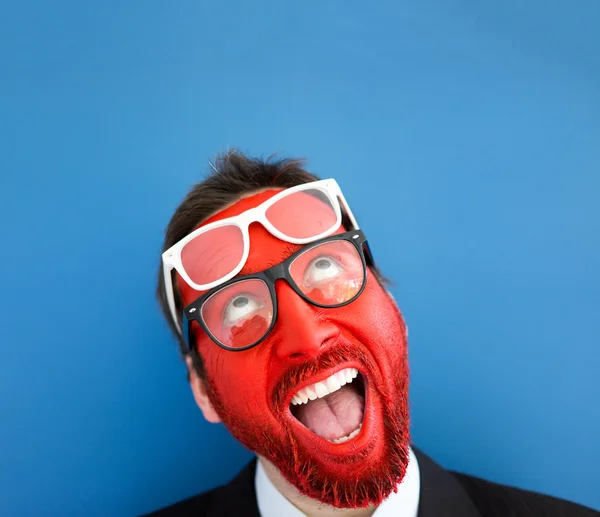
{"points": [[233, 175]]}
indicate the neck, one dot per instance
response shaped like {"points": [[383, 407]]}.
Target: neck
{"points": [[308, 506]]}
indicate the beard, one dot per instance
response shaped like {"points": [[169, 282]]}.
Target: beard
{"points": [[355, 480]]}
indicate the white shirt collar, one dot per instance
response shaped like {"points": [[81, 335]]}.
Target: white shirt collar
{"points": [[403, 503]]}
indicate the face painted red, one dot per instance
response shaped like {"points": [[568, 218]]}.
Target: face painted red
{"points": [[254, 391]]}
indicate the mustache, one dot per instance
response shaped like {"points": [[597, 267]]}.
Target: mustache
{"points": [[341, 352]]}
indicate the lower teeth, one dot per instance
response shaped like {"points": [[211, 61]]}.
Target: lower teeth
{"points": [[346, 438]]}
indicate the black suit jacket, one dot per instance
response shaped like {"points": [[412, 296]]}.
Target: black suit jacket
{"points": [[443, 494]]}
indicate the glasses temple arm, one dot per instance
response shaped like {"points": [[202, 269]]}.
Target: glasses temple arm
{"points": [[347, 210], [171, 296]]}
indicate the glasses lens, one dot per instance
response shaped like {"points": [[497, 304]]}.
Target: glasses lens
{"points": [[240, 314], [303, 215], [212, 255], [330, 274]]}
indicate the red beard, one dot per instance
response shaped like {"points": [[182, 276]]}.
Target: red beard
{"points": [[359, 479]]}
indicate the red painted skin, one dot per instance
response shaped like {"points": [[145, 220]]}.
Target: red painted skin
{"points": [[252, 390]]}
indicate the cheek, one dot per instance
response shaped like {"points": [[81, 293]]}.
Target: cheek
{"points": [[375, 320], [239, 377]]}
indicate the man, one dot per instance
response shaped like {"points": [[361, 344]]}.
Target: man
{"points": [[293, 342]]}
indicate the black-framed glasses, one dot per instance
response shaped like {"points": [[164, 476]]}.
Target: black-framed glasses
{"points": [[240, 313]]}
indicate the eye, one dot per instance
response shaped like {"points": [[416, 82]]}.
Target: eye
{"points": [[321, 269], [240, 307]]}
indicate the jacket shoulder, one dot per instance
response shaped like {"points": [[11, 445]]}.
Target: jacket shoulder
{"points": [[197, 505], [495, 500], [235, 499]]}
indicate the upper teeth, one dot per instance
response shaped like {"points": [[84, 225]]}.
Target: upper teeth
{"points": [[323, 388]]}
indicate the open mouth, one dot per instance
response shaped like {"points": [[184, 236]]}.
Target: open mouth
{"points": [[334, 408]]}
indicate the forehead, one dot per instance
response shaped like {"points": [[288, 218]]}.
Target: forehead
{"points": [[295, 211], [243, 203]]}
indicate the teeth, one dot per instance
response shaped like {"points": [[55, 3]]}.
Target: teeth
{"points": [[324, 388], [321, 389], [311, 392], [333, 384], [349, 437]]}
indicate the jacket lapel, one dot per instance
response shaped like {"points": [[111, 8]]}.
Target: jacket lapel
{"points": [[441, 493]]}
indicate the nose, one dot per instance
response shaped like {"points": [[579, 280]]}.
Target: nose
{"points": [[301, 333]]}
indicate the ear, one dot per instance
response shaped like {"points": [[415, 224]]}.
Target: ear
{"points": [[198, 386]]}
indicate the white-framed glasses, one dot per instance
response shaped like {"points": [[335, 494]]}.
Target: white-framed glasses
{"points": [[215, 253]]}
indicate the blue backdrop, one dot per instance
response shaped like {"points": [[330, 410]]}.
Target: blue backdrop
{"points": [[467, 140]]}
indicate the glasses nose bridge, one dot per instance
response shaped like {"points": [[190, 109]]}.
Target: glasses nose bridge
{"points": [[257, 215], [279, 272]]}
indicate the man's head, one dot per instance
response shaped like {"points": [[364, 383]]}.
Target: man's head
{"points": [[349, 446]]}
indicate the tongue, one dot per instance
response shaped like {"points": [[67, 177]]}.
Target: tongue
{"points": [[335, 415]]}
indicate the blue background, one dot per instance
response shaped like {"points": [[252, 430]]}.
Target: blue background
{"points": [[466, 138]]}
